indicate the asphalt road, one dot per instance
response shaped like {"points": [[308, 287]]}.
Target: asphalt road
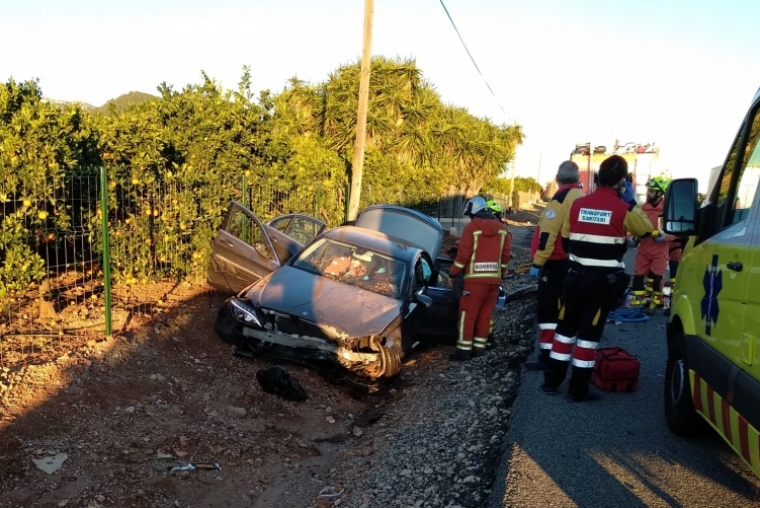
{"points": [[618, 451]]}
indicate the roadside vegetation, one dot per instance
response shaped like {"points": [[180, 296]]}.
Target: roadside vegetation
{"points": [[176, 159]]}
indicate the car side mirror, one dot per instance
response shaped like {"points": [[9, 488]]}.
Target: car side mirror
{"points": [[424, 300], [680, 210]]}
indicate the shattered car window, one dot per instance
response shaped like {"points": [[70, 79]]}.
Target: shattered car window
{"points": [[354, 265]]}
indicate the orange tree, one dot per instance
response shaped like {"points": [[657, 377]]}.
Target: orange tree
{"points": [[178, 160], [41, 148]]}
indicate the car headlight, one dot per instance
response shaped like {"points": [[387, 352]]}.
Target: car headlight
{"points": [[242, 311]]}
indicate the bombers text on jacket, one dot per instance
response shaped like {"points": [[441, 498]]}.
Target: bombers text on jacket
{"points": [[484, 251]]}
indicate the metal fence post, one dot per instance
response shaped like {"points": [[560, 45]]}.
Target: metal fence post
{"points": [[106, 248], [319, 200], [244, 199]]}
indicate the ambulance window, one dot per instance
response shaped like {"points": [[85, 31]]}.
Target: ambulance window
{"points": [[724, 184], [749, 174]]}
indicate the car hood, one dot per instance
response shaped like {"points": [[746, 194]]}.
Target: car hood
{"points": [[326, 302]]}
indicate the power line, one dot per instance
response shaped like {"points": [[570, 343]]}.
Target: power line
{"points": [[472, 59]]}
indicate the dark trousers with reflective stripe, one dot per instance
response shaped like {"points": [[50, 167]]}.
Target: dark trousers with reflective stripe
{"points": [[548, 299], [586, 300]]}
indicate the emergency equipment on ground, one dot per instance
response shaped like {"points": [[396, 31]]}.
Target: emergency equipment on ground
{"points": [[616, 370]]}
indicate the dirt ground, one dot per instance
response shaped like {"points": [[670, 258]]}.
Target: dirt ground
{"points": [[164, 392]]}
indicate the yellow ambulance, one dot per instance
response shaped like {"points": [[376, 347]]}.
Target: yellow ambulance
{"points": [[713, 369]]}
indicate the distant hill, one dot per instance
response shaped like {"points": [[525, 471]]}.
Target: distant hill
{"points": [[61, 104], [123, 101]]}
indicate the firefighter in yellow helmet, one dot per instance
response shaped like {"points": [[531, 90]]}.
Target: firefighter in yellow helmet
{"points": [[482, 255], [495, 208], [652, 253]]}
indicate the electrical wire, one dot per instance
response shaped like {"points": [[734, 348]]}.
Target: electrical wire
{"points": [[473, 59]]}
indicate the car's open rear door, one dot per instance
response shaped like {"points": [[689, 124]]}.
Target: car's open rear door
{"points": [[242, 251]]}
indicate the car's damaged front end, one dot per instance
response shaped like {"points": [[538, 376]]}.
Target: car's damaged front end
{"points": [[371, 352]]}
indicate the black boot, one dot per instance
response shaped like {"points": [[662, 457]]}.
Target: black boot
{"points": [[461, 355], [589, 396], [549, 390], [491, 343], [578, 389], [541, 362], [554, 374], [476, 351]]}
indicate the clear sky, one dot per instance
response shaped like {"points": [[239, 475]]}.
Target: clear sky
{"points": [[676, 73]]}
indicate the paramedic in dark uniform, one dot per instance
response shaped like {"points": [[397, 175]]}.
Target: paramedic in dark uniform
{"points": [[595, 233], [550, 259]]}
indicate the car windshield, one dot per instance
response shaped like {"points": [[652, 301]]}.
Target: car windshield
{"points": [[354, 265]]}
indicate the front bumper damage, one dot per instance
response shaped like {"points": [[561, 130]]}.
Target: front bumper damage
{"points": [[372, 357]]}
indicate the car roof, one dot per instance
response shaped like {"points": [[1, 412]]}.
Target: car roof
{"points": [[373, 240]]}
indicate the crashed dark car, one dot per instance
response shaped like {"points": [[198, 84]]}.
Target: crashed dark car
{"points": [[360, 296]]}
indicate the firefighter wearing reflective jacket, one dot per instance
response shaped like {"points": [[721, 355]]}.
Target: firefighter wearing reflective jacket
{"points": [[482, 256], [652, 253], [595, 234], [550, 259]]}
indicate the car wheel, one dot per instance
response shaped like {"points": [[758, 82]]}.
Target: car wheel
{"points": [[390, 358], [226, 326], [680, 414]]}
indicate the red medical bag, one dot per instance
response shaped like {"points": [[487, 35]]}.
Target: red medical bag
{"points": [[615, 370]]}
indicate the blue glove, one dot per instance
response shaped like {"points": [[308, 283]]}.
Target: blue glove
{"points": [[626, 191], [659, 239], [535, 272]]}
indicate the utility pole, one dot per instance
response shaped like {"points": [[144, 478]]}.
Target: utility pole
{"points": [[512, 186], [361, 116]]}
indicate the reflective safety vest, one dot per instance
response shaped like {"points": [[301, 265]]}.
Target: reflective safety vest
{"points": [[545, 244], [484, 251], [596, 229]]}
